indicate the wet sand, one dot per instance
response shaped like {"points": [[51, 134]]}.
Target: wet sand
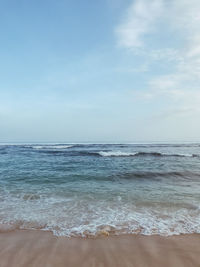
{"points": [[25, 248]]}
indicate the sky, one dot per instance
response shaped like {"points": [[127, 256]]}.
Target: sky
{"points": [[100, 71]]}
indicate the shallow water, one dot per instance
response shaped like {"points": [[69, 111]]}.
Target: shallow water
{"points": [[87, 189]]}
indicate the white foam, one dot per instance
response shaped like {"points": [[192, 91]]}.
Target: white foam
{"points": [[52, 147], [142, 153], [116, 154], [81, 217]]}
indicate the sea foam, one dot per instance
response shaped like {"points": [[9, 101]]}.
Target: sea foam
{"points": [[132, 154]]}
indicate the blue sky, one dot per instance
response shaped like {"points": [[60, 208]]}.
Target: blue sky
{"points": [[100, 71]]}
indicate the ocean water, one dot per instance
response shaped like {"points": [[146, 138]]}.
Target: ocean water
{"points": [[85, 189]]}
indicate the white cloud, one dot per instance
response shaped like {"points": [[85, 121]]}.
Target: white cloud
{"points": [[181, 83], [139, 20]]}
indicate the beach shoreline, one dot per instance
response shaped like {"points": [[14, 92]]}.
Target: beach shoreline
{"points": [[27, 248]]}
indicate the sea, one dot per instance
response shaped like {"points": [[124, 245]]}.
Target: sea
{"points": [[85, 190]]}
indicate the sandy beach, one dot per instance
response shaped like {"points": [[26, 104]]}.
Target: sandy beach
{"points": [[25, 248]]}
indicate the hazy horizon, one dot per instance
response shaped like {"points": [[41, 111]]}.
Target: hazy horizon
{"points": [[101, 142]]}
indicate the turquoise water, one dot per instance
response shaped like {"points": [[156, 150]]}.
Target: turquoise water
{"points": [[82, 189]]}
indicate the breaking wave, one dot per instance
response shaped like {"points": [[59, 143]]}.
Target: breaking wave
{"points": [[51, 147], [133, 154]]}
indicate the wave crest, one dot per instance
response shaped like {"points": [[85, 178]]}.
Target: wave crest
{"points": [[133, 154], [52, 147]]}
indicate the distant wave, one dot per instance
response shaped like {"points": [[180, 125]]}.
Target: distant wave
{"points": [[154, 175], [116, 154], [133, 154], [2, 152], [96, 153], [51, 146]]}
